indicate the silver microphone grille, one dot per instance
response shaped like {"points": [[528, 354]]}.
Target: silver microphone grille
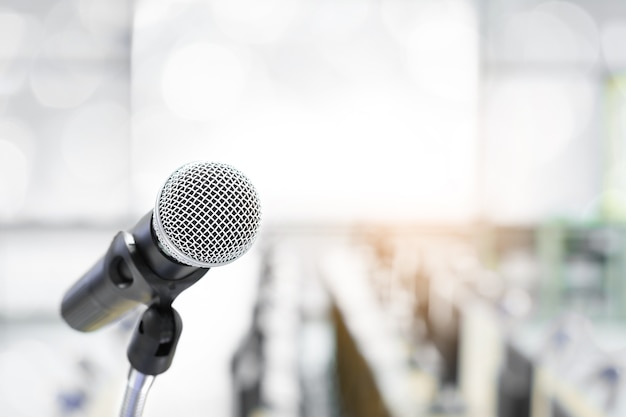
{"points": [[207, 214]]}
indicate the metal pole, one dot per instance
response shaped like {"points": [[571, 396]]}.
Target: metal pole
{"points": [[136, 392]]}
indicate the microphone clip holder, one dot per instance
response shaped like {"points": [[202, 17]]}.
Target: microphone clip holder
{"points": [[150, 352], [156, 335], [153, 344]]}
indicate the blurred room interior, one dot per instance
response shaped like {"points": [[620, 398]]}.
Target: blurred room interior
{"points": [[443, 185]]}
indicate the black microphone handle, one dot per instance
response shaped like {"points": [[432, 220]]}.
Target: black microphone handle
{"points": [[132, 272], [105, 292]]}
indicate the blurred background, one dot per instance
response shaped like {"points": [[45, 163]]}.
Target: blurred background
{"points": [[444, 199]]}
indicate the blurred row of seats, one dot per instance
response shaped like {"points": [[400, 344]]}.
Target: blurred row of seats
{"points": [[500, 322]]}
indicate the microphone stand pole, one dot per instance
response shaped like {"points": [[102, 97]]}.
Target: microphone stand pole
{"points": [[136, 392]]}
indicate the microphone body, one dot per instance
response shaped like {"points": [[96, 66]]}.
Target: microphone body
{"points": [[206, 214], [133, 272]]}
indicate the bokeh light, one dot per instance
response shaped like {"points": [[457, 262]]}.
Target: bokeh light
{"points": [[255, 21], [66, 73], [614, 53], [203, 81], [71, 45], [442, 52], [19, 37], [554, 32], [337, 21], [16, 153], [14, 182], [524, 130], [12, 33], [583, 37], [95, 145], [399, 17], [59, 87], [156, 12], [108, 20], [528, 141]]}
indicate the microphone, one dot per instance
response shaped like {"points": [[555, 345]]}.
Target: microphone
{"points": [[206, 214]]}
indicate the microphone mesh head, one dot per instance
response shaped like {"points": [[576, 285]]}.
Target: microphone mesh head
{"points": [[207, 214]]}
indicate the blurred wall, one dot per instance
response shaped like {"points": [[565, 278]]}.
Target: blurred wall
{"points": [[548, 67], [340, 111], [358, 110], [64, 111]]}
